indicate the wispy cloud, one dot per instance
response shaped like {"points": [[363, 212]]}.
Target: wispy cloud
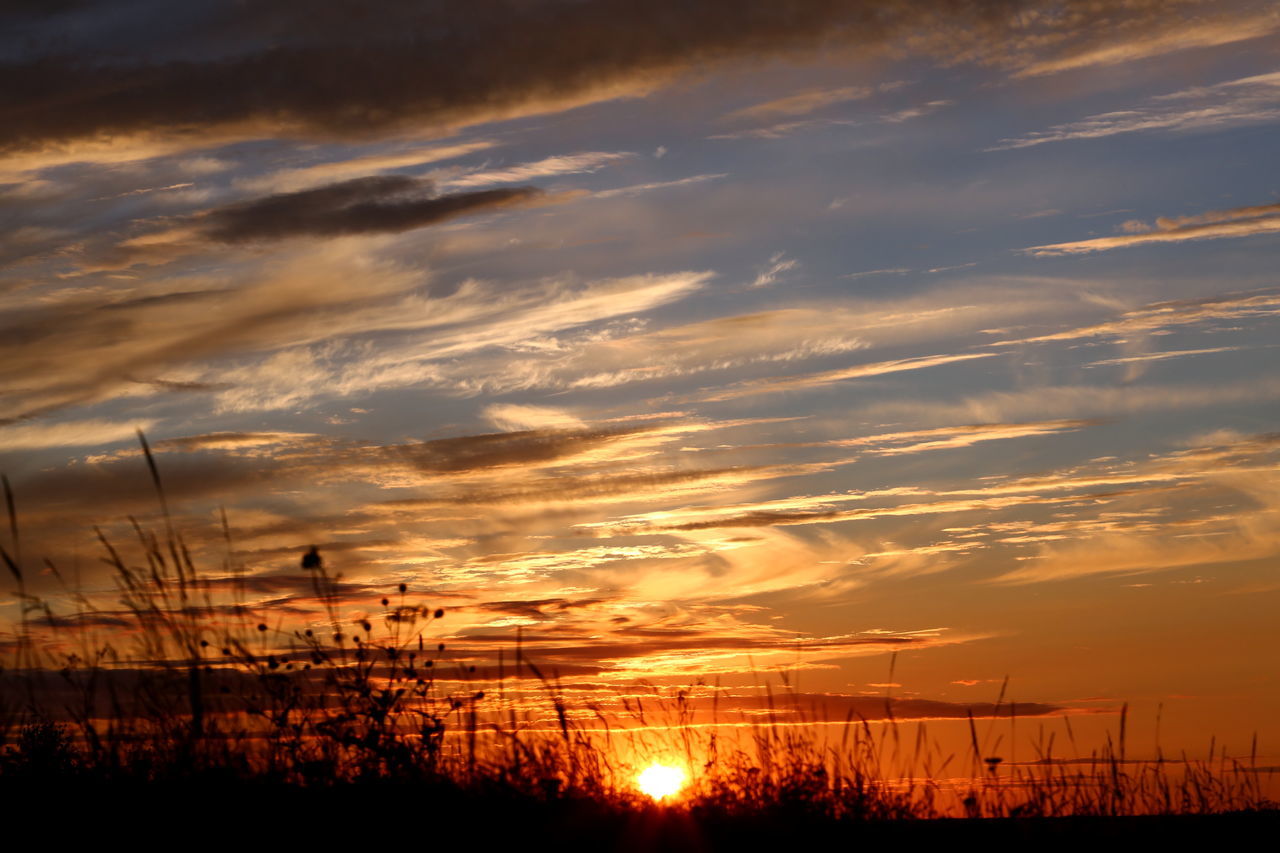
{"points": [[292, 180], [815, 509], [1214, 225], [1238, 475], [862, 371], [779, 130], [908, 113], [476, 318], [1075, 401], [636, 189], [777, 265], [799, 104], [870, 273], [1160, 356], [547, 445], [941, 438], [566, 164], [783, 129], [1176, 34], [513, 416], [1160, 316], [631, 352], [379, 204], [363, 205], [1248, 100], [38, 436], [287, 328]]}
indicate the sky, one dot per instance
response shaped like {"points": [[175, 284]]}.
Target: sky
{"points": [[697, 342]]}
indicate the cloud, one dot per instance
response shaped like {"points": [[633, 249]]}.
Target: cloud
{"points": [[97, 344], [503, 449], [1214, 225], [1175, 35], [1159, 316], [839, 708], [235, 441], [1248, 100], [528, 565], [713, 644], [909, 113], [1166, 223], [378, 204], [777, 265], [942, 438], [71, 498], [476, 318], [807, 509], [801, 103], [782, 129], [768, 518], [655, 484], [778, 130], [569, 164], [291, 489], [869, 273], [1074, 401], [39, 436], [357, 488], [1160, 356], [360, 206], [512, 416], [285, 334], [814, 380], [632, 351], [291, 180], [1128, 554], [238, 71], [636, 189], [1238, 477], [1244, 464]]}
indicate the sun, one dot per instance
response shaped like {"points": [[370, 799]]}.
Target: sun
{"points": [[660, 780]]}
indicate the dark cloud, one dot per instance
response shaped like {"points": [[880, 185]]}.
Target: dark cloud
{"points": [[839, 706], [88, 621], [94, 343], [565, 487], [123, 484], [536, 609], [504, 449], [382, 203], [695, 641], [149, 620], [141, 689], [202, 468], [174, 386], [199, 466], [1212, 225], [348, 69], [230, 440]]}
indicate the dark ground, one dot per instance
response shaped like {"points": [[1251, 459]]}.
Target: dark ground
{"points": [[356, 819]]}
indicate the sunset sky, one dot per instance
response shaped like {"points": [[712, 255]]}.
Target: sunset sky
{"points": [[694, 340]]}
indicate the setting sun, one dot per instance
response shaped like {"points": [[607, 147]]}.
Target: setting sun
{"points": [[660, 781]]}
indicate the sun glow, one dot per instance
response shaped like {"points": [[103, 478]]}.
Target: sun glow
{"points": [[660, 781]]}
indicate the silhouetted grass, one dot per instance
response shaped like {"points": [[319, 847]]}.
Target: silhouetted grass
{"points": [[205, 697]]}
